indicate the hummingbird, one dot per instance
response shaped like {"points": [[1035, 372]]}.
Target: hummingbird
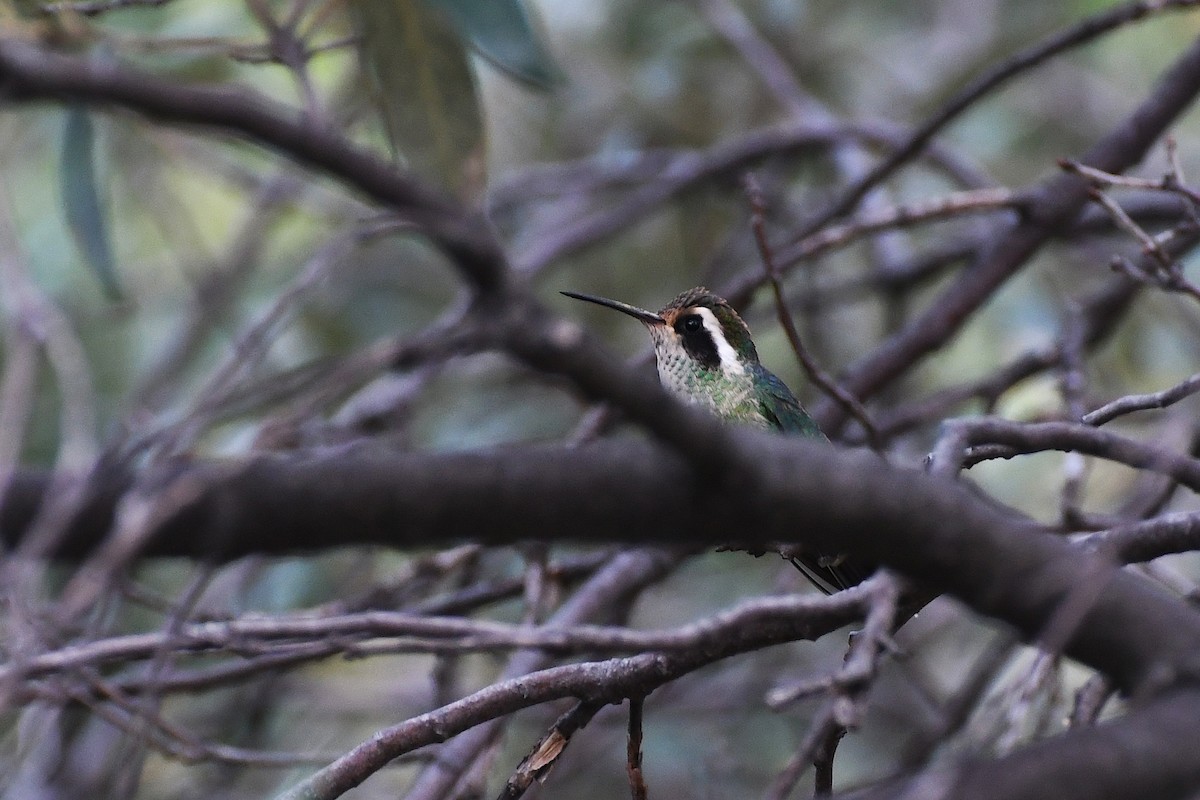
{"points": [[706, 358]]}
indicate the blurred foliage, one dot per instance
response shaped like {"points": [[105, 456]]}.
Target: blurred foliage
{"points": [[426, 95], [82, 202], [206, 233], [503, 33]]}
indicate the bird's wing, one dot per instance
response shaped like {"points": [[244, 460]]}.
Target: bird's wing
{"points": [[786, 413], [832, 575], [781, 407]]}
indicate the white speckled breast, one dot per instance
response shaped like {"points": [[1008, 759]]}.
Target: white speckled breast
{"points": [[730, 396]]}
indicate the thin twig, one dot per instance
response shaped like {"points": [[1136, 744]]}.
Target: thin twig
{"points": [[1052, 209], [545, 754], [1168, 183], [660, 177], [1149, 243], [991, 437], [783, 784], [168, 738], [955, 204], [417, 633], [849, 685], [1072, 384], [1142, 402], [811, 368], [633, 751], [1090, 700], [1166, 273], [823, 761], [1074, 36]]}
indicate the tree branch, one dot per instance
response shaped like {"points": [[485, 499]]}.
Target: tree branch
{"points": [[29, 73], [775, 489], [1117, 760], [1052, 207]]}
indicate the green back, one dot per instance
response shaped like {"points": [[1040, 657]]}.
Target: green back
{"points": [[780, 406]]}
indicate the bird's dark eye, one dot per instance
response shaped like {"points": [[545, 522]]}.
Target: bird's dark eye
{"points": [[697, 341]]}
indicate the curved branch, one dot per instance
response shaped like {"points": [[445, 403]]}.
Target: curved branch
{"points": [[991, 437], [1118, 760], [1053, 206], [1149, 539], [812, 615], [1143, 402], [597, 681], [29, 73], [1076, 35], [775, 489]]}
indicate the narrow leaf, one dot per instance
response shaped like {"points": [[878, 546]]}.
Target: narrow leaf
{"points": [[81, 199], [425, 90], [500, 30]]}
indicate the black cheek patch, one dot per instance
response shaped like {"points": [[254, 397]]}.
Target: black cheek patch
{"points": [[698, 344]]}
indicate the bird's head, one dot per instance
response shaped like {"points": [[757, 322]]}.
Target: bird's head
{"points": [[697, 326]]}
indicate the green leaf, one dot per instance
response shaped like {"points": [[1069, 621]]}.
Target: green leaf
{"points": [[501, 32], [81, 199], [424, 88]]}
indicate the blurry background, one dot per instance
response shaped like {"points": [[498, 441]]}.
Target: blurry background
{"points": [[593, 134]]}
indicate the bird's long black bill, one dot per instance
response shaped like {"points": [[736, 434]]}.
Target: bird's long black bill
{"points": [[649, 317]]}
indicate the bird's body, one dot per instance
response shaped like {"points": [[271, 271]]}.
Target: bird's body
{"points": [[706, 357]]}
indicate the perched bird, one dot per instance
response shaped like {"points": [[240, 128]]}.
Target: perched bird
{"points": [[707, 358]]}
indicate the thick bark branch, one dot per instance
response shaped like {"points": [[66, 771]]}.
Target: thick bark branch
{"points": [[1119, 760], [775, 490]]}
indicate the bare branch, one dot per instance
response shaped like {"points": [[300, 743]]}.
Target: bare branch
{"points": [[811, 367], [633, 761], [781, 490], [1142, 402], [1004, 439], [1078, 34], [28, 73], [545, 754], [417, 633], [1052, 206]]}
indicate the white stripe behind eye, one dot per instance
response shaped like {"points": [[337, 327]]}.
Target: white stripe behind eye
{"points": [[729, 359]]}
